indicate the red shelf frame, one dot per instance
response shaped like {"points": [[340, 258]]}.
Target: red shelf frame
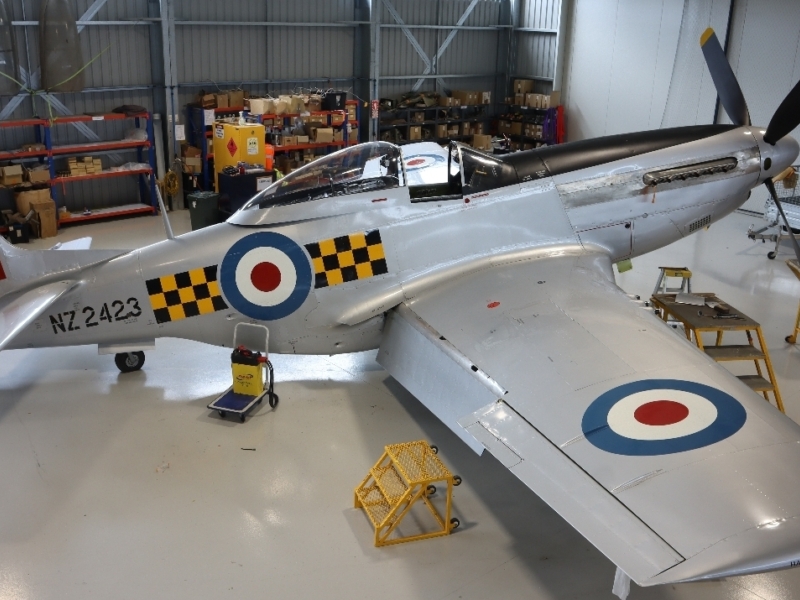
{"points": [[101, 175], [99, 147], [106, 215]]}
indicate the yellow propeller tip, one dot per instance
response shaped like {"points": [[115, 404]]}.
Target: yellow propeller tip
{"points": [[706, 34]]}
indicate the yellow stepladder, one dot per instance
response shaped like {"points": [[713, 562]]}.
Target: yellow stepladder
{"points": [[405, 475]]}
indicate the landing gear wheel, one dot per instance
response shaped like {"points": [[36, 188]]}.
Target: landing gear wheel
{"points": [[430, 490], [454, 523], [273, 400], [434, 449], [772, 255], [128, 362], [456, 479]]}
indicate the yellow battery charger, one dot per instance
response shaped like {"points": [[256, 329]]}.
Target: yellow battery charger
{"points": [[248, 372]]}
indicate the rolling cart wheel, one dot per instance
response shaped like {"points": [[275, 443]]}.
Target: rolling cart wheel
{"points": [[790, 339], [221, 413], [273, 400], [771, 255], [128, 362], [456, 479], [454, 523], [430, 490], [242, 417], [434, 449]]}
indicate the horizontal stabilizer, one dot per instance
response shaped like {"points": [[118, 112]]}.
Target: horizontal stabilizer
{"points": [[18, 312]]}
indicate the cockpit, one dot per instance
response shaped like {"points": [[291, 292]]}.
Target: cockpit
{"points": [[363, 168], [425, 170]]}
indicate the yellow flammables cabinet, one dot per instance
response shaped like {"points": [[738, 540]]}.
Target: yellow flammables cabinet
{"points": [[237, 143]]}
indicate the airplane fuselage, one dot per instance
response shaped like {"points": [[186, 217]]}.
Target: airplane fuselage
{"points": [[629, 196]]}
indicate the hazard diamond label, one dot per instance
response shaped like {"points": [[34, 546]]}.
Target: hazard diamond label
{"points": [[232, 148]]}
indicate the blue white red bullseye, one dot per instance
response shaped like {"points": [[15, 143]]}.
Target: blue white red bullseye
{"points": [[265, 276], [422, 161], [661, 416]]}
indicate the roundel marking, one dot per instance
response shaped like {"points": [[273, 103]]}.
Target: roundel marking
{"points": [[661, 416], [265, 276], [420, 161]]}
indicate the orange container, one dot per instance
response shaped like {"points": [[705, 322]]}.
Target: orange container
{"points": [[269, 157]]}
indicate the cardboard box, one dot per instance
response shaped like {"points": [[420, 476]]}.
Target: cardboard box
{"points": [[446, 101], [523, 86], [482, 142], [188, 152], [302, 139], [27, 198], [415, 132], [235, 98], [314, 104], [221, 100], [477, 128], [555, 98], [192, 164], [465, 97], [261, 106], [516, 127], [504, 127], [337, 118], [208, 101], [452, 130], [11, 175], [36, 147], [289, 140], [466, 128], [351, 112], [486, 98], [39, 174], [545, 101], [519, 99], [46, 214], [338, 135], [418, 117], [323, 135], [441, 131]]}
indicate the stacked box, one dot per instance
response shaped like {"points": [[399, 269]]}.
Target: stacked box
{"points": [[11, 175], [523, 86]]}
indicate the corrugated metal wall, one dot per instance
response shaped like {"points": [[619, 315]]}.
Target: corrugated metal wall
{"points": [[536, 50], [470, 52]]}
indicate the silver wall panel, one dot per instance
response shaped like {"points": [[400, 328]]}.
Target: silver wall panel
{"points": [[638, 65]]}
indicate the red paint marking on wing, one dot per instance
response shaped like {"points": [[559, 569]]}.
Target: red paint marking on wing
{"points": [[493, 305], [2, 272], [265, 277], [414, 162], [661, 412]]}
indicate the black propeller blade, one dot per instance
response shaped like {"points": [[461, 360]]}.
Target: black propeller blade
{"points": [[773, 193], [730, 94], [786, 118]]}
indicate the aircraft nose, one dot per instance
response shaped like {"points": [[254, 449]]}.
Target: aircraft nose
{"points": [[783, 154]]}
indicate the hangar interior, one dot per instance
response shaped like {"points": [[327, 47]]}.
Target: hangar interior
{"points": [[126, 485]]}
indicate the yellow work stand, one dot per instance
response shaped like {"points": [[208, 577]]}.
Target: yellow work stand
{"points": [[793, 266], [404, 476], [702, 319]]}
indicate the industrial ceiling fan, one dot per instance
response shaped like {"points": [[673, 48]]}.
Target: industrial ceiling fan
{"points": [[785, 119]]}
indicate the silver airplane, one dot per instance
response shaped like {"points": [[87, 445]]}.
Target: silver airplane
{"points": [[486, 283]]}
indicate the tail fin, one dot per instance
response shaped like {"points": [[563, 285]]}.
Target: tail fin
{"points": [[6, 252]]}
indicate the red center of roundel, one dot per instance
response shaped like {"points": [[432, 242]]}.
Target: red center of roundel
{"points": [[661, 412], [265, 277], [414, 162]]}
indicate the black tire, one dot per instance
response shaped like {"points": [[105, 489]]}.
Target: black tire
{"points": [[273, 400], [242, 417], [456, 479], [221, 413], [771, 255], [430, 490], [434, 449], [128, 362], [454, 523]]}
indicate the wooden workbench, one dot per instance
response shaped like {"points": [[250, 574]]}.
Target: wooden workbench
{"points": [[697, 320]]}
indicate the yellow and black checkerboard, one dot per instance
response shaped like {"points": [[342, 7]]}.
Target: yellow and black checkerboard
{"points": [[183, 295], [347, 258]]}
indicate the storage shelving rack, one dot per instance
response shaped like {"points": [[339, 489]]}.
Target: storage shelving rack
{"points": [[530, 115], [200, 133], [43, 135], [433, 117]]}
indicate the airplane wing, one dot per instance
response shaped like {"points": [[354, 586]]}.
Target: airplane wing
{"points": [[667, 463], [19, 311]]}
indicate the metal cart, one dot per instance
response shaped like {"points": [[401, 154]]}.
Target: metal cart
{"points": [[775, 231], [251, 341]]}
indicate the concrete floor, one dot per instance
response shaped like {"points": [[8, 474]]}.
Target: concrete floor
{"points": [[126, 486]]}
